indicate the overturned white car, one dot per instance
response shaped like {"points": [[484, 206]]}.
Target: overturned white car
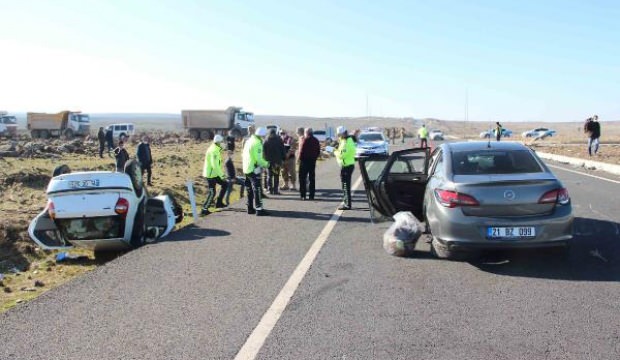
{"points": [[102, 211]]}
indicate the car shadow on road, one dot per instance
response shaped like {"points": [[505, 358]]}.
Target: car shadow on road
{"points": [[594, 255], [193, 232]]}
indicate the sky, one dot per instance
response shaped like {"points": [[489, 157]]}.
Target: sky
{"points": [[448, 59]]}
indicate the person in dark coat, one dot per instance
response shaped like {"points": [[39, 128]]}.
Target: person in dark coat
{"points": [[101, 138], [109, 138], [122, 156], [232, 178], [274, 152], [230, 141], [309, 152], [144, 158]]}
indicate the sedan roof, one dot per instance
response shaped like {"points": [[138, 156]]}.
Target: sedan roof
{"points": [[482, 145]]}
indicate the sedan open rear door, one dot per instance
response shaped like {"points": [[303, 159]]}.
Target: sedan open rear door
{"points": [[397, 183]]}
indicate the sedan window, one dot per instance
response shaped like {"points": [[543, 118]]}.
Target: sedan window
{"points": [[494, 162], [408, 164], [106, 227], [371, 137]]}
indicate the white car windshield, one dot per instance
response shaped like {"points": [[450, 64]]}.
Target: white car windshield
{"points": [[94, 228], [371, 137]]}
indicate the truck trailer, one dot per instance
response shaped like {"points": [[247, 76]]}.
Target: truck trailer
{"points": [[204, 124], [67, 123]]}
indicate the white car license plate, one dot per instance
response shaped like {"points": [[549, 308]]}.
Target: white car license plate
{"points": [[514, 232]]}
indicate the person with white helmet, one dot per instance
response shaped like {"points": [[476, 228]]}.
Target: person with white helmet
{"points": [[253, 163], [214, 174], [345, 155]]}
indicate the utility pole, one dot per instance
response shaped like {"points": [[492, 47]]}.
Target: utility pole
{"points": [[466, 104]]}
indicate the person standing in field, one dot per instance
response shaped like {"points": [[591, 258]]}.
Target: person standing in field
{"points": [[288, 167], [253, 163], [101, 138], [393, 135], [345, 155], [212, 171], [143, 153], [403, 134], [309, 152], [121, 155], [593, 129], [230, 141], [109, 138], [423, 135], [498, 131]]}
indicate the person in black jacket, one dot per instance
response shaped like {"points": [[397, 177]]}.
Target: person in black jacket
{"points": [[122, 156], [593, 129], [144, 158], [101, 138], [309, 152], [232, 179], [109, 138], [274, 152]]}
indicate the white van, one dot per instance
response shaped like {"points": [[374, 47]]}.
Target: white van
{"points": [[122, 131]]}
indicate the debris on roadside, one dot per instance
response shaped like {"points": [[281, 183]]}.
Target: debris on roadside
{"points": [[401, 237], [39, 283], [65, 257]]}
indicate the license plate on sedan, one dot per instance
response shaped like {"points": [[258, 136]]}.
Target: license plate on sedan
{"points": [[513, 232]]}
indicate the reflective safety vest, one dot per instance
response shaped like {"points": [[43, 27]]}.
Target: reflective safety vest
{"points": [[345, 154]]}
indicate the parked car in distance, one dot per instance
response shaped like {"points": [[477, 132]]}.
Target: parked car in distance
{"points": [[273, 127], [538, 132], [322, 135], [372, 143], [486, 134], [122, 131], [473, 196], [102, 211], [435, 134]]}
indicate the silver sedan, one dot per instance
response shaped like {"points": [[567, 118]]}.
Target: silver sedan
{"points": [[473, 195]]}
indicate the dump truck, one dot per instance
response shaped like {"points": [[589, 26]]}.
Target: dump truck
{"points": [[204, 124], [8, 125], [67, 123]]}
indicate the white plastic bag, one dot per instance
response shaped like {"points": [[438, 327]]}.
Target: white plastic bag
{"points": [[401, 237]]}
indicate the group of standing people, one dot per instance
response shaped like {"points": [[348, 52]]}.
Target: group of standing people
{"points": [[392, 133], [121, 156], [272, 154]]}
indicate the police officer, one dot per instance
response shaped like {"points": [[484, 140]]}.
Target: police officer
{"points": [[214, 174], [253, 163], [345, 154], [423, 135]]}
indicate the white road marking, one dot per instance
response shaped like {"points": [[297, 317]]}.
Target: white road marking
{"points": [[257, 338], [585, 174]]}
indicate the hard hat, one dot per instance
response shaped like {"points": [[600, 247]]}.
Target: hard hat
{"points": [[341, 130], [261, 131], [218, 138]]}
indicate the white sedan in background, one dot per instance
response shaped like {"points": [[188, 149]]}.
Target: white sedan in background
{"points": [[435, 134], [489, 133], [372, 143], [538, 133]]}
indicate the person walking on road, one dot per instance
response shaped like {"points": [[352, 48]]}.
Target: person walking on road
{"points": [[213, 173], [101, 138], [309, 152], [143, 153], [253, 162], [345, 155], [593, 129], [109, 138], [232, 179], [498, 131], [288, 167], [121, 155], [274, 152], [423, 135]]}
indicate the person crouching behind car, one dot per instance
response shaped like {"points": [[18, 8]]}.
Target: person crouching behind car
{"points": [[121, 155], [345, 155], [253, 163], [232, 179], [213, 173], [143, 153]]}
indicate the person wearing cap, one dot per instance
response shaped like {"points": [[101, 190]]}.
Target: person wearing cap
{"points": [[345, 155], [288, 167], [214, 174], [253, 163]]}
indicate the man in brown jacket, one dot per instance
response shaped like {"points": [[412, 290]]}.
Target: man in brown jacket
{"points": [[309, 152]]}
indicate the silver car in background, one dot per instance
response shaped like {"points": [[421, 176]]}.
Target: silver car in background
{"points": [[372, 143], [473, 195]]}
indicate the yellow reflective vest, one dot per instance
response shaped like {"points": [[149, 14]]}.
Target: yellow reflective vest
{"points": [[213, 162], [345, 154]]}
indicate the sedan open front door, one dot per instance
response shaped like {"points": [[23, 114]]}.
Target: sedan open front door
{"points": [[396, 183]]}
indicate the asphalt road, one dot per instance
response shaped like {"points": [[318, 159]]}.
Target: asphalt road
{"points": [[201, 293]]}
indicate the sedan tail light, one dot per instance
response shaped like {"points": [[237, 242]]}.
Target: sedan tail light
{"points": [[122, 207], [559, 196], [452, 199]]}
